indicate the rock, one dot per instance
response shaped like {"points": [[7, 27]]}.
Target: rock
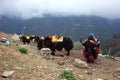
{"points": [[7, 74], [80, 64], [117, 58], [63, 79], [52, 57], [61, 62], [117, 73], [45, 51], [118, 69], [88, 72], [99, 79], [68, 69], [7, 43], [18, 68], [101, 55], [118, 77], [15, 37], [81, 77]]}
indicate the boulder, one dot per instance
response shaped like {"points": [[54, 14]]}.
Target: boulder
{"points": [[80, 64], [7, 74]]}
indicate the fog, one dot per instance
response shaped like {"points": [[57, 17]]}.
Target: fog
{"points": [[38, 8]]}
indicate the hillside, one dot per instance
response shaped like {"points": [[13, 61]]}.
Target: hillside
{"points": [[111, 47], [36, 66]]}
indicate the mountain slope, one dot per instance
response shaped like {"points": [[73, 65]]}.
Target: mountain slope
{"points": [[111, 47], [72, 26], [36, 66]]}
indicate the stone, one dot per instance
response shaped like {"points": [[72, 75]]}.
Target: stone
{"points": [[7, 74], [118, 69], [80, 64], [99, 79], [61, 62]]}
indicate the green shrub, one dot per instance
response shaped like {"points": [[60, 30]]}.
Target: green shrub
{"points": [[68, 75], [110, 57], [77, 45], [16, 44], [112, 46], [23, 50]]}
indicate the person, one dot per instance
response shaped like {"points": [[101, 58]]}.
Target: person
{"points": [[92, 39], [92, 44]]}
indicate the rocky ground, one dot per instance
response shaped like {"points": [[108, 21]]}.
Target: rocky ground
{"points": [[38, 66]]}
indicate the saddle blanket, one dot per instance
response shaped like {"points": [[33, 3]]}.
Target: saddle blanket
{"points": [[57, 38]]}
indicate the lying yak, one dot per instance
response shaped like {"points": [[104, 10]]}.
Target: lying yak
{"points": [[65, 43]]}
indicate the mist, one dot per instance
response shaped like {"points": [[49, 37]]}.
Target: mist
{"points": [[39, 8]]}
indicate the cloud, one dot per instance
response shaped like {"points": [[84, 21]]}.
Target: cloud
{"points": [[38, 8]]}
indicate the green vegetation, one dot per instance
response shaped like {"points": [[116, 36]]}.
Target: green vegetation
{"points": [[110, 57], [112, 47], [68, 75], [16, 44], [23, 50], [77, 45]]}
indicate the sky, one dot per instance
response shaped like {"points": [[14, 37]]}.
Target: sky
{"points": [[38, 8]]}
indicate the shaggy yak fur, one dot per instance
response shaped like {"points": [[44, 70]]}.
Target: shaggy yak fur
{"points": [[67, 44]]}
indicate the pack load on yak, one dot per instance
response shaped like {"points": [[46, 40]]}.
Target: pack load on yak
{"points": [[57, 38], [91, 47]]}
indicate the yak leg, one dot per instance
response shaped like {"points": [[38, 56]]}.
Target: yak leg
{"points": [[53, 53], [24, 42], [68, 53], [53, 50], [28, 41]]}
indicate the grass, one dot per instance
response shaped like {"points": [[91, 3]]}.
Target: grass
{"points": [[110, 57], [67, 75], [77, 45], [23, 50]]}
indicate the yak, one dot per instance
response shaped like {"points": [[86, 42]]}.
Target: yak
{"points": [[26, 39], [67, 44]]}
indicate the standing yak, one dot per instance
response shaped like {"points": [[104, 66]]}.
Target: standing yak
{"points": [[27, 39], [56, 44], [24, 39]]}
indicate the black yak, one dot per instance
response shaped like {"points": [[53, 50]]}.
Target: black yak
{"points": [[66, 43], [28, 39], [34, 38], [25, 39]]}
